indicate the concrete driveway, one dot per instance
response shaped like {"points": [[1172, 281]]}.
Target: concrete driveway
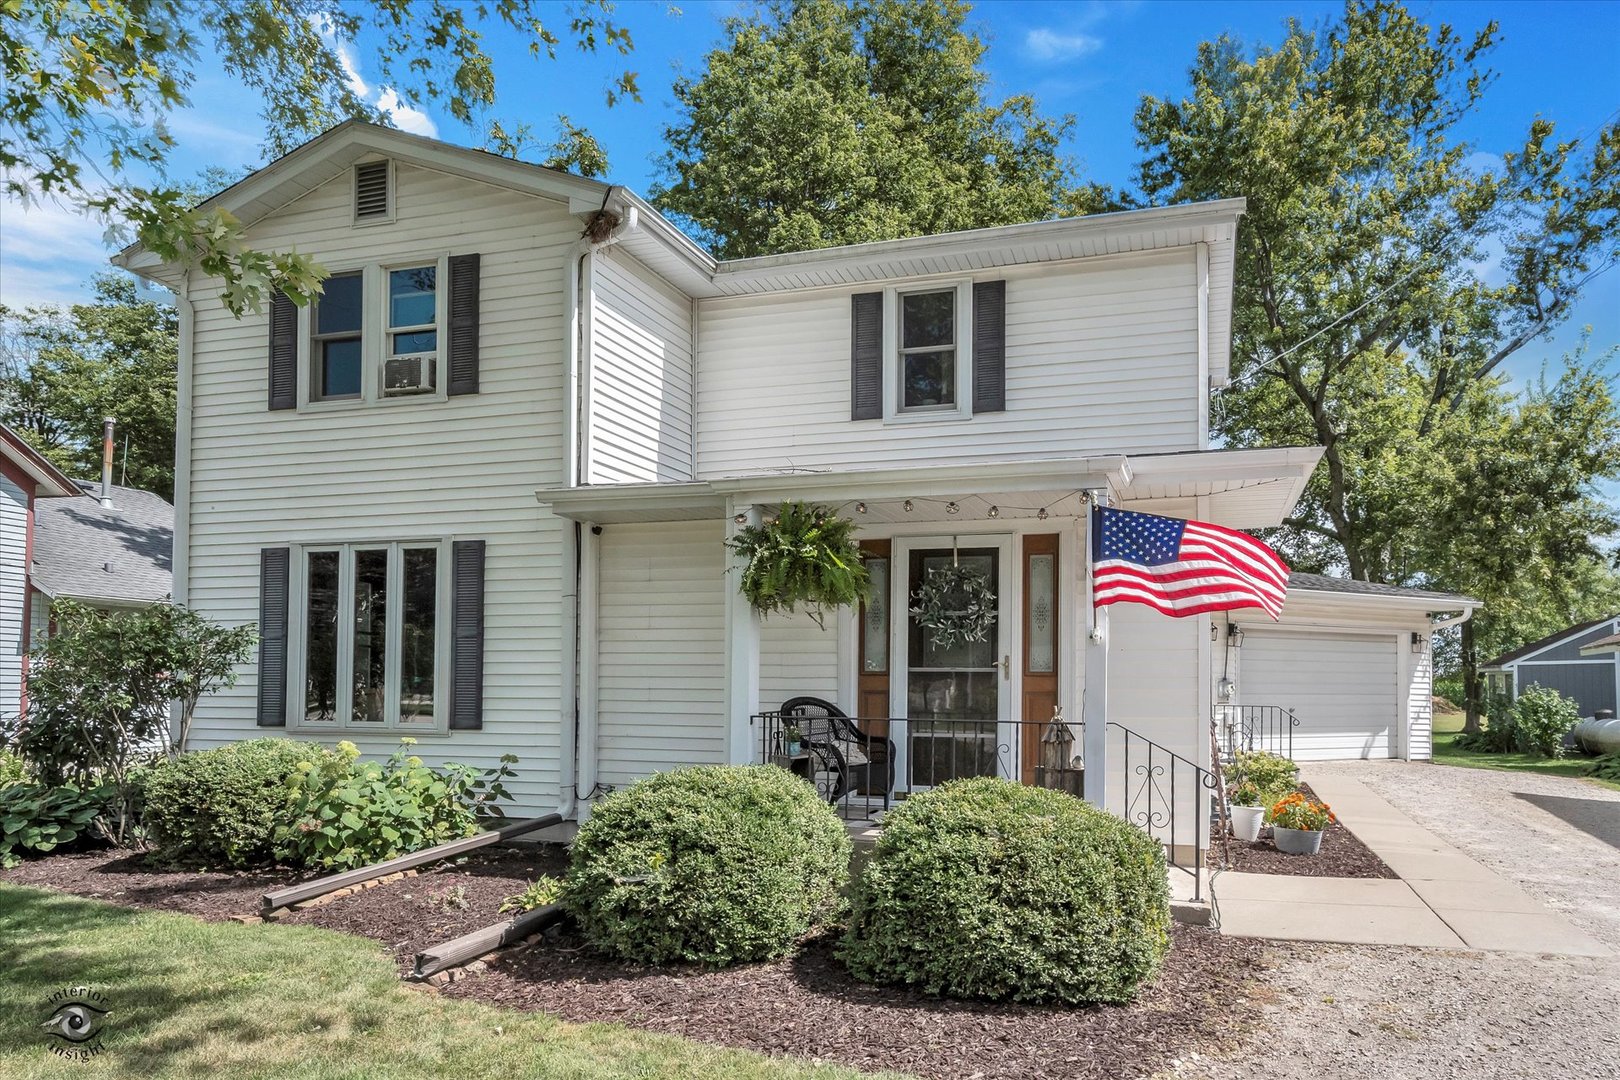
{"points": [[1371, 1012]]}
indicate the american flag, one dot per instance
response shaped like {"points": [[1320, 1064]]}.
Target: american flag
{"points": [[1182, 567]]}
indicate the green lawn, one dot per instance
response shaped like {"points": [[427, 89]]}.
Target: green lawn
{"points": [[1446, 752], [197, 999]]}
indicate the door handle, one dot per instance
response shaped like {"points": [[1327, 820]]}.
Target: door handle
{"points": [[1006, 667]]}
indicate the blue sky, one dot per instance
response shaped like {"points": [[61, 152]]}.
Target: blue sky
{"points": [[1094, 60]]}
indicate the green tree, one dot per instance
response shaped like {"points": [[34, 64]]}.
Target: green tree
{"points": [[86, 89], [63, 370], [821, 122], [1368, 319]]}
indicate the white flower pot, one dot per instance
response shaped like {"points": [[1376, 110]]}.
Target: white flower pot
{"points": [[1246, 822], [1297, 841]]}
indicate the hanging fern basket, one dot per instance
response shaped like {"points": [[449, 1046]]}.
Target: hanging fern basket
{"points": [[955, 604], [806, 558]]}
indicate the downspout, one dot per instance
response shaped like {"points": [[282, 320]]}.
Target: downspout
{"points": [[577, 766]]}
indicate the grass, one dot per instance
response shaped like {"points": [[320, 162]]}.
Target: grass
{"points": [[195, 999], [1447, 726]]}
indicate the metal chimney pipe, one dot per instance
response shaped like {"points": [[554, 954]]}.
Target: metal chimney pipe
{"points": [[106, 461]]}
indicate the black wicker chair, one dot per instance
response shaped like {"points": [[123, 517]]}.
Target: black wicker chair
{"points": [[822, 724]]}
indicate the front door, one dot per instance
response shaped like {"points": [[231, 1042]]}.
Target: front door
{"points": [[954, 650]]}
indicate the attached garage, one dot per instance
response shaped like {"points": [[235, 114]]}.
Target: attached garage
{"points": [[1351, 659], [1343, 688]]}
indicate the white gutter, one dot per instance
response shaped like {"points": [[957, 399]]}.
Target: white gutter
{"points": [[590, 546]]}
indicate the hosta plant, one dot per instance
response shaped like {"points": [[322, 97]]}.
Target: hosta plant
{"points": [[39, 818], [546, 890]]}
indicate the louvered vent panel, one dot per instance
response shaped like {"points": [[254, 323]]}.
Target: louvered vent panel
{"points": [[371, 190]]}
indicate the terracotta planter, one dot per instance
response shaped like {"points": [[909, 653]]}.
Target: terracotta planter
{"points": [[1297, 841], [1246, 821]]}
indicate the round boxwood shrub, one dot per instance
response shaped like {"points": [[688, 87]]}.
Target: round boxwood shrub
{"points": [[714, 864], [222, 807], [988, 889]]}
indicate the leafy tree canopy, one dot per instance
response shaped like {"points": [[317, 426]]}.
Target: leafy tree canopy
{"points": [[87, 88], [821, 122], [63, 369], [1371, 317]]}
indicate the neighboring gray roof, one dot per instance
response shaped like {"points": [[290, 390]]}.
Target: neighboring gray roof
{"points": [[1540, 643], [1608, 644], [1323, 583], [94, 554]]}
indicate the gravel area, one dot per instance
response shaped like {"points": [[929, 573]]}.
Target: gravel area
{"points": [[1357, 1013]]}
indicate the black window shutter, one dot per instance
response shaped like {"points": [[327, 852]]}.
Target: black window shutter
{"points": [[283, 352], [467, 635], [866, 357], [990, 346], [274, 571], [463, 350]]}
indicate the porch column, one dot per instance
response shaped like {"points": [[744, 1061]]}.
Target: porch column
{"points": [[742, 649], [1094, 710]]}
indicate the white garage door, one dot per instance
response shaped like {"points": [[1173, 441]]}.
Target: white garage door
{"points": [[1341, 687]]}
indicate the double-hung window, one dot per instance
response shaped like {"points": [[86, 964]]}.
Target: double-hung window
{"points": [[928, 352], [376, 334], [373, 645], [337, 368]]}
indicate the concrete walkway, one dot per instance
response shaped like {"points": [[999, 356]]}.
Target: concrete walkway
{"points": [[1443, 898]]}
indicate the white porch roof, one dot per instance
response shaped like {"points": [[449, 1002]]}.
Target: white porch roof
{"points": [[1246, 488]]}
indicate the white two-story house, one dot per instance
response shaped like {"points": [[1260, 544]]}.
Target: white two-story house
{"points": [[477, 493]]}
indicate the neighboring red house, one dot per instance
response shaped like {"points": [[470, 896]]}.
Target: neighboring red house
{"points": [[24, 477]]}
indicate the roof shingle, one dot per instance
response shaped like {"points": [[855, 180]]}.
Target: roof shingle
{"points": [[97, 554]]}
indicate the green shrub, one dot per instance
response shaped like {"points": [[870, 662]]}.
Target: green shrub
{"points": [[714, 864], [1606, 767], [343, 812], [985, 888], [1543, 717], [222, 807], [40, 818], [1272, 775], [1500, 732]]}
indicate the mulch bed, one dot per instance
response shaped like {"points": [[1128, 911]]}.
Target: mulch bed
{"points": [[808, 1006], [121, 877], [439, 903], [1343, 855]]}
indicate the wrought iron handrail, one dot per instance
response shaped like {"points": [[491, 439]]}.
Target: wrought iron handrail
{"points": [[1256, 727], [1170, 786]]}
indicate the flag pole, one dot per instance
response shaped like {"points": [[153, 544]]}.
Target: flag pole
{"points": [[1094, 710]]}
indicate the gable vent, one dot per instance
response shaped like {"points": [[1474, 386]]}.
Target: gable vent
{"points": [[371, 190]]}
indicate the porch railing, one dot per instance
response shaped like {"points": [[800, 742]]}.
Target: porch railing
{"points": [[863, 765], [1256, 727]]}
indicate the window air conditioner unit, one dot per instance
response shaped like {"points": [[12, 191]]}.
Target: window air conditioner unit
{"points": [[414, 373]]}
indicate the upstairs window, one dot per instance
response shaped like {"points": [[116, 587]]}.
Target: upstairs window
{"points": [[336, 349], [928, 350], [412, 363]]}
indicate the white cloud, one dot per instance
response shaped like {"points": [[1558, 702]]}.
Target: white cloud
{"points": [[1045, 44], [48, 253], [406, 118]]}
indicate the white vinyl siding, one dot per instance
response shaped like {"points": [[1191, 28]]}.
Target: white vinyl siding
{"points": [[661, 630], [1344, 689], [639, 416], [1420, 707], [1101, 354], [13, 593], [466, 467], [797, 658]]}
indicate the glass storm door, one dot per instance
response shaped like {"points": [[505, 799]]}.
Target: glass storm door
{"points": [[956, 685]]}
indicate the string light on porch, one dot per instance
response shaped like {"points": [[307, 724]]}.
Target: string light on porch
{"points": [[954, 508]]}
